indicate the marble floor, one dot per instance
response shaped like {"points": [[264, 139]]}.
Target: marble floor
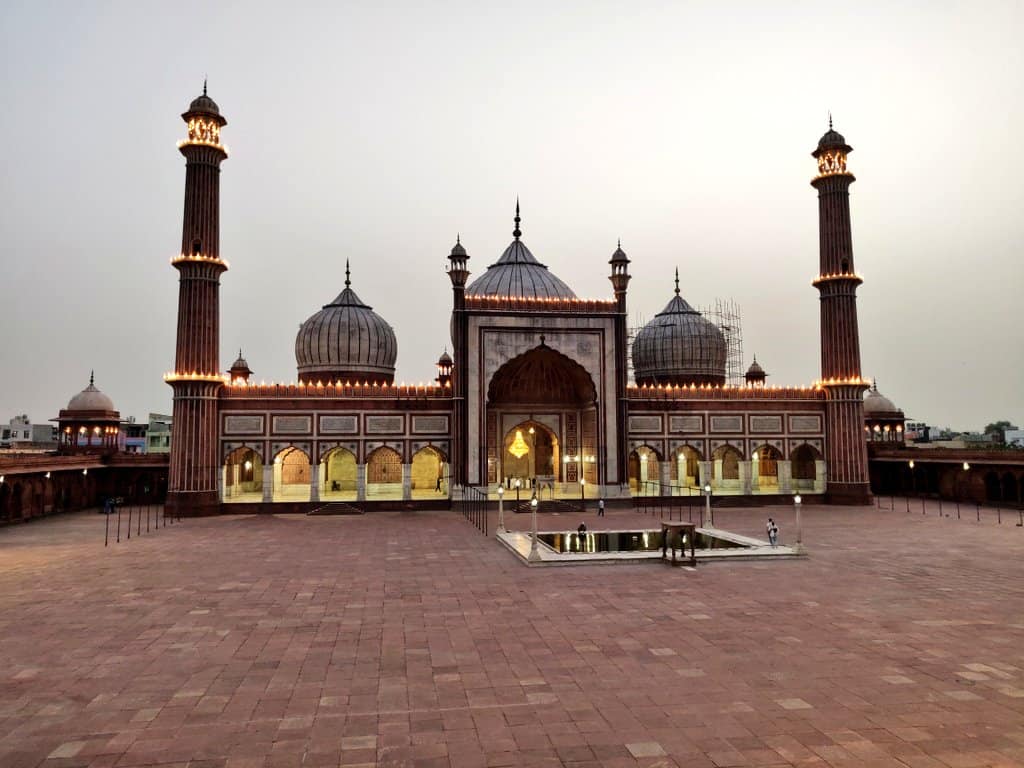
{"points": [[411, 639]]}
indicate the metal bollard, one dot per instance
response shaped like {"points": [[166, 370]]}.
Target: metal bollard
{"points": [[147, 518], [118, 525], [106, 528], [129, 523], [999, 515], [138, 514], [978, 508]]}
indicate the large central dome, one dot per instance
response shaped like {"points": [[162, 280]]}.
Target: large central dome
{"points": [[518, 273], [346, 341]]}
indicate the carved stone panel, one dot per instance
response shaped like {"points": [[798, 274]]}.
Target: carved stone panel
{"points": [[429, 425], [808, 423], [293, 425], [645, 423], [385, 425], [686, 423], [770, 424], [726, 423], [243, 425], [339, 425]]}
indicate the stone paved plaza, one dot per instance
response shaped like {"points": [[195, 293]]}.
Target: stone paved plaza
{"points": [[412, 640]]}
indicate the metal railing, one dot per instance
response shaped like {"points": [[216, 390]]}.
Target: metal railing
{"points": [[669, 502], [474, 508], [155, 514], [939, 507]]}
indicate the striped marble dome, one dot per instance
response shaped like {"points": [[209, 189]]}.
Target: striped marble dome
{"points": [[518, 273], [346, 341], [679, 346]]}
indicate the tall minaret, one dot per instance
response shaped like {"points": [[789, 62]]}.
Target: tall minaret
{"points": [[620, 280], [846, 452], [458, 271], [195, 464]]}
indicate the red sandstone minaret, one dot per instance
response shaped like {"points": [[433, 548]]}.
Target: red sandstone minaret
{"points": [[458, 271], [846, 451], [620, 278], [192, 485]]}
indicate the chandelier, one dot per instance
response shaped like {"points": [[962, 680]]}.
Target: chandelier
{"points": [[519, 448]]}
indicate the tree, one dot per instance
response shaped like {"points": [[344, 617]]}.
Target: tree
{"points": [[999, 428]]}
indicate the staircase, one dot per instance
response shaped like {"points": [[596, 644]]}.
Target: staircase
{"points": [[336, 508], [551, 505]]}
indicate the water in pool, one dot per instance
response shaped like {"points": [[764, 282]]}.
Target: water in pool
{"points": [[625, 541]]}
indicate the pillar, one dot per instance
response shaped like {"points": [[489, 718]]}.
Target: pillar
{"points": [[755, 473], [314, 482], [785, 476], [819, 476], [406, 481], [223, 489], [717, 478], [360, 482], [745, 484], [665, 470], [268, 483]]}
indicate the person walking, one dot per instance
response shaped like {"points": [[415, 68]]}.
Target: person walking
{"points": [[772, 530], [600, 507]]}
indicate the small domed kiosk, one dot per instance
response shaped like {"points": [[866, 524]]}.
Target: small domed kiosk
{"points": [[90, 423], [883, 421]]}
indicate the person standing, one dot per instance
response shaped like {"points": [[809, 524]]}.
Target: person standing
{"points": [[600, 507], [772, 531]]}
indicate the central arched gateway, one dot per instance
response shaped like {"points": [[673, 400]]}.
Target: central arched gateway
{"points": [[542, 423]]}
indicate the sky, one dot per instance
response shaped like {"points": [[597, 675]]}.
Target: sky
{"points": [[375, 132]]}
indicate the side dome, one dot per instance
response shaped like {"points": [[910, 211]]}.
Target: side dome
{"points": [[518, 273], [679, 346], [90, 399], [346, 341], [876, 404]]}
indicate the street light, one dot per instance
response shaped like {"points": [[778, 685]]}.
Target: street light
{"points": [[707, 506], [583, 498], [501, 508], [518, 483], [534, 552], [799, 547]]}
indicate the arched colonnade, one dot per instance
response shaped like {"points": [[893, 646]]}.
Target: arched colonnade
{"points": [[338, 476], [728, 470]]}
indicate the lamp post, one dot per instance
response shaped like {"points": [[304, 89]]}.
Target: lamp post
{"points": [[501, 508], [534, 552], [799, 546], [583, 498], [707, 506], [518, 483]]}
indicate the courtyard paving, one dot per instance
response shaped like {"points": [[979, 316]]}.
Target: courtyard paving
{"points": [[410, 639]]}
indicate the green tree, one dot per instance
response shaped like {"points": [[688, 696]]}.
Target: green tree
{"points": [[999, 428]]}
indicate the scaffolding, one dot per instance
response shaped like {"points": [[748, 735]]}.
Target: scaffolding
{"points": [[725, 313]]}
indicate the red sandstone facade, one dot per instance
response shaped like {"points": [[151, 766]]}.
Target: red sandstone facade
{"points": [[528, 357]]}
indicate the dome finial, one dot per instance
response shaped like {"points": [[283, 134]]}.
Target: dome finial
{"points": [[677, 281], [830, 119], [91, 377], [516, 232], [458, 238], [348, 282], [204, 85]]}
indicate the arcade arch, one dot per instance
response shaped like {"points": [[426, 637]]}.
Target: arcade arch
{"points": [[384, 474], [764, 468], [339, 477], [686, 467], [428, 474], [292, 473], [542, 423], [243, 475], [726, 474], [804, 463], [645, 472]]}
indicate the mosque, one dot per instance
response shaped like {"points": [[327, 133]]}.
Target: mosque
{"points": [[535, 395]]}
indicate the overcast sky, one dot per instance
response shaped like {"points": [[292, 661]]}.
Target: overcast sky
{"points": [[376, 131]]}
